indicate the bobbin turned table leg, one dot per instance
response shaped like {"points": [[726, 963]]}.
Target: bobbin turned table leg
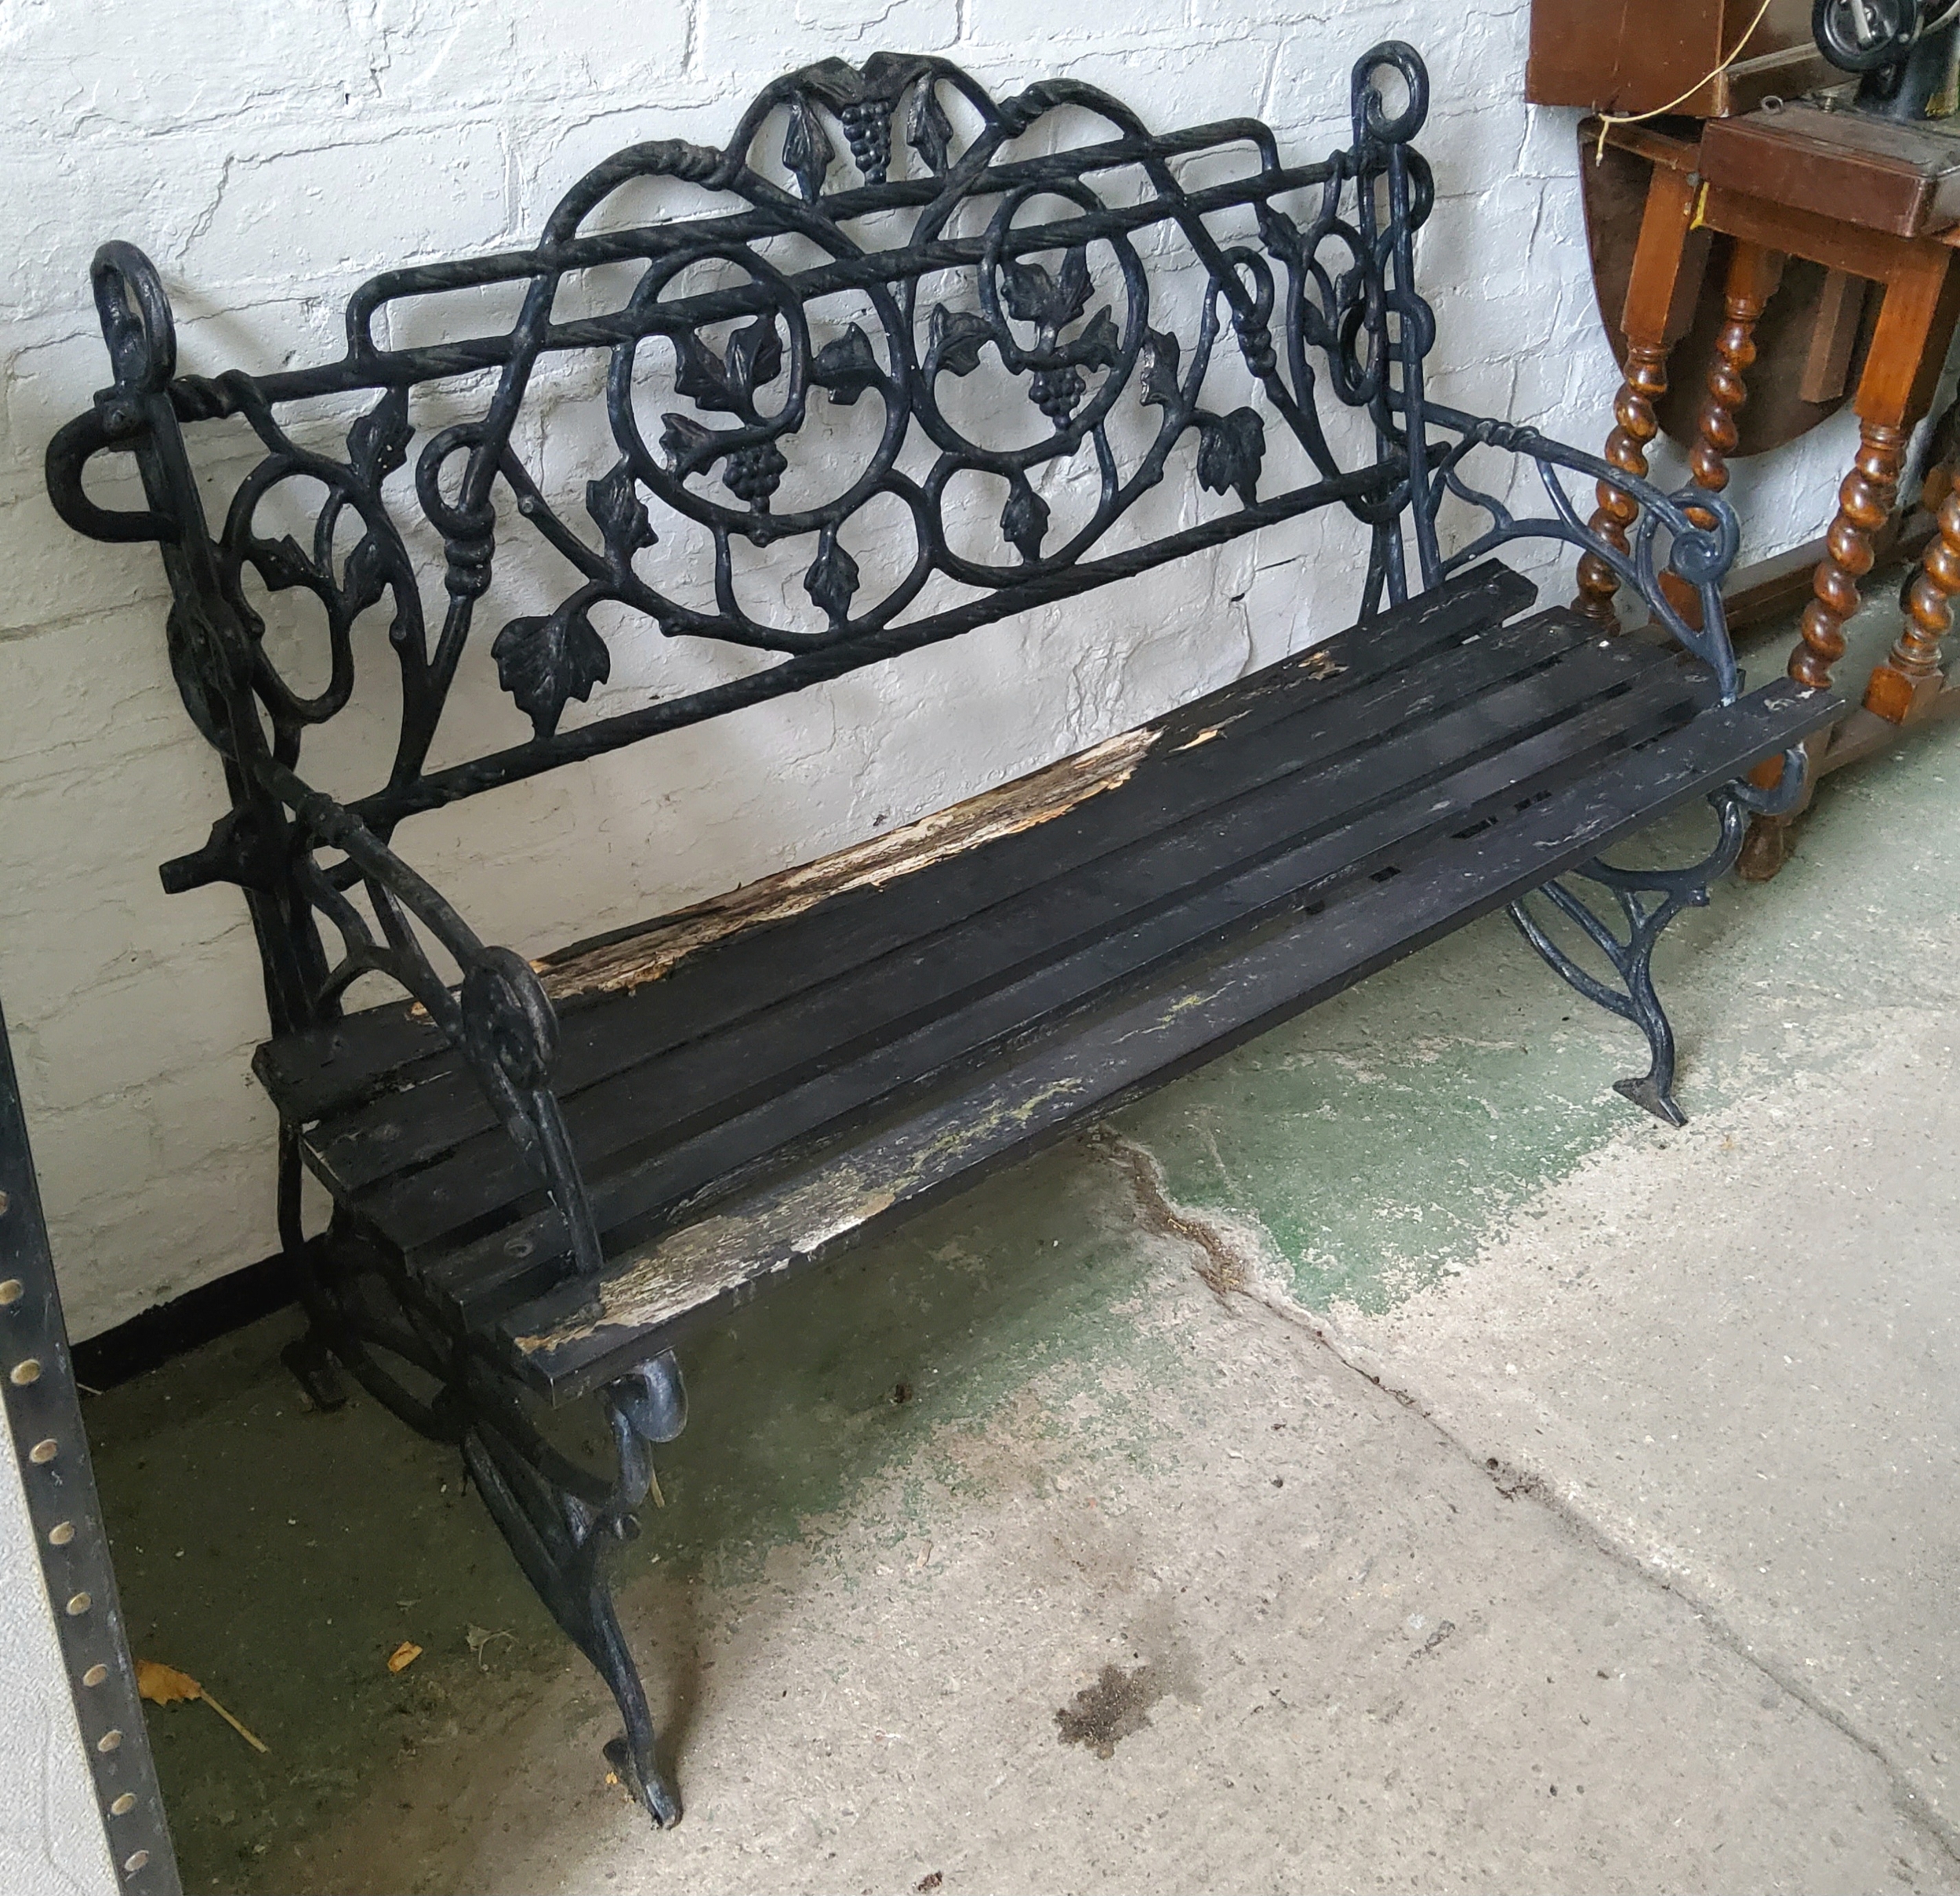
{"points": [[1668, 264], [1750, 282], [1906, 685], [1908, 350]]}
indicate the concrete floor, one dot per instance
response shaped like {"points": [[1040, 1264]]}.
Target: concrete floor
{"points": [[1559, 1502]]}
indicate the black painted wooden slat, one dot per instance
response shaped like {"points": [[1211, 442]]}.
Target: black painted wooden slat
{"points": [[1224, 782], [1013, 928], [315, 1075], [569, 1342], [480, 1280]]}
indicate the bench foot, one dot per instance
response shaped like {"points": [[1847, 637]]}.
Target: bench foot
{"points": [[310, 1364], [1648, 1092], [1648, 900]]}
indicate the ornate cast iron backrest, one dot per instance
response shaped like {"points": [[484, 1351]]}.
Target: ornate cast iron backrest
{"points": [[1056, 308], [995, 269]]}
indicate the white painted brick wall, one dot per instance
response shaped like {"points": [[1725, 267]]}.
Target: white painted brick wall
{"points": [[268, 158]]}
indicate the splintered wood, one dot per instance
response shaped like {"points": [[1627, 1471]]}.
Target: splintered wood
{"points": [[800, 1222], [650, 952]]}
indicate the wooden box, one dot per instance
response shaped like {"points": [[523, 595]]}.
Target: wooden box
{"points": [[1636, 56], [1904, 180]]}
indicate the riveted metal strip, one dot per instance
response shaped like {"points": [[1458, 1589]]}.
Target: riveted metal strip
{"points": [[45, 1413]]}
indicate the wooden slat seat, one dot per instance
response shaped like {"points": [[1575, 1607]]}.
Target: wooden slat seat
{"points": [[758, 1080]]}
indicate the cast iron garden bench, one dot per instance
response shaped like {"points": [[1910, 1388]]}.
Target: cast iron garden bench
{"points": [[543, 1175]]}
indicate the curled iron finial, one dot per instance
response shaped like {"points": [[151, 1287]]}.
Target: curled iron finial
{"points": [[136, 319], [142, 340], [1371, 120]]}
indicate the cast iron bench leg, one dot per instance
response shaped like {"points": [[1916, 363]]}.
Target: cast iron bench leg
{"points": [[1648, 900], [309, 1360], [560, 1540], [558, 1518]]}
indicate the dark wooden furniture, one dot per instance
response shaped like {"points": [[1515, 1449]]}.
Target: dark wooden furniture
{"points": [[1690, 198], [1690, 56], [530, 1208], [1902, 180]]}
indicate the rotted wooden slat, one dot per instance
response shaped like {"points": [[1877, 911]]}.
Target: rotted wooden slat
{"points": [[484, 1278], [1520, 688], [1219, 779], [331, 1070], [571, 1339]]}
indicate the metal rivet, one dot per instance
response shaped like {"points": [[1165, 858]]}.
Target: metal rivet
{"points": [[13, 1291], [137, 1861], [123, 1805], [43, 1452], [79, 1605], [23, 1373], [95, 1674], [60, 1534], [108, 1741]]}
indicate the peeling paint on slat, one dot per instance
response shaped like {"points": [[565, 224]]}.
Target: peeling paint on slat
{"points": [[656, 950], [687, 1268]]}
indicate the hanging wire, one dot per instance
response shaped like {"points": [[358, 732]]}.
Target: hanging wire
{"points": [[1608, 120]]}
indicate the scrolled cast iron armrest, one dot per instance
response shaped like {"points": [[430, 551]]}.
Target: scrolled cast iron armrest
{"points": [[1703, 538], [498, 1017], [1703, 535]]}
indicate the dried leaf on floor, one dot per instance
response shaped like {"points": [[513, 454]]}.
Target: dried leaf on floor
{"points": [[164, 1685], [404, 1656]]}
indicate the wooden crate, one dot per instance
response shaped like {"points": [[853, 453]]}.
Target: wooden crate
{"points": [[1616, 55]]}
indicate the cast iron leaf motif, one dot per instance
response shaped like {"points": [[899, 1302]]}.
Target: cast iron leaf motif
{"points": [[699, 374], [1230, 449], [808, 153], [1098, 346], [955, 339], [1160, 388], [755, 356], [832, 580], [378, 442], [542, 663], [1072, 287], [1024, 520], [928, 131], [690, 446], [1050, 303], [754, 360], [365, 578], [282, 562], [615, 504], [1028, 287], [846, 367], [1278, 232]]}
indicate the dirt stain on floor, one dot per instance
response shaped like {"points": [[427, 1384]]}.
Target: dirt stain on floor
{"points": [[1104, 1714]]}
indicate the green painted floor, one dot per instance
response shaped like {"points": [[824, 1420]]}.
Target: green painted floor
{"points": [[1023, 1443]]}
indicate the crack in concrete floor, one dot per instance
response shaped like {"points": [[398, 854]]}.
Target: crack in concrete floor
{"points": [[1235, 1263]]}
